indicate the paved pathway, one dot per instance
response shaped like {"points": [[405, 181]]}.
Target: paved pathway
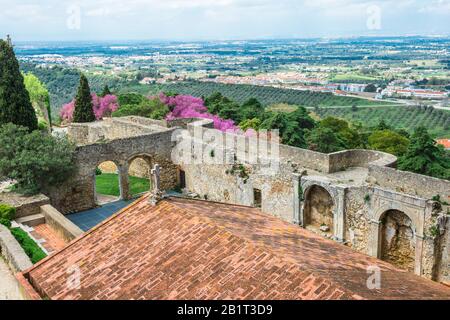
{"points": [[9, 289], [86, 220]]}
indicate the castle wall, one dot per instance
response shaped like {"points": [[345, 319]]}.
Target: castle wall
{"points": [[410, 183], [358, 207], [78, 193]]}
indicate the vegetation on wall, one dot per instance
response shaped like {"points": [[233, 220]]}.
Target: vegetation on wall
{"points": [[7, 213], [32, 250]]}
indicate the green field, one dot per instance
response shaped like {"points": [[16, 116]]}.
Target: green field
{"points": [[266, 95], [108, 184], [436, 121]]}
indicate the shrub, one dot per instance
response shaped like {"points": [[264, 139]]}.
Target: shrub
{"points": [[5, 222], [35, 160], [33, 251], [7, 212], [98, 172]]}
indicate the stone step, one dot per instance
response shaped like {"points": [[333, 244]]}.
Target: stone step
{"points": [[32, 221]]}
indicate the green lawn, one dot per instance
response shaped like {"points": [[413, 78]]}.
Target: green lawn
{"points": [[108, 184]]}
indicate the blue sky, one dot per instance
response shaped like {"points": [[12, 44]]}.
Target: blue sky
{"points": [[47, 20]]}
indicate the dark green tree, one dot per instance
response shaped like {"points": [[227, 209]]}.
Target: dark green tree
{"points": [[15, 104], [105, 91], [35, 160], [251, 109], [388, 141], [292, 126], [424, 156], [382, 125], [347, 135], [83, 103], [324, 140], [371, 88]]}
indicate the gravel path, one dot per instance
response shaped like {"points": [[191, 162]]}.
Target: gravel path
{"points": [[9, 289]]}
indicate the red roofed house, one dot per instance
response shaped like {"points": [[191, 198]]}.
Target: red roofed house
{"points": [[445, 143], [191, 249]]}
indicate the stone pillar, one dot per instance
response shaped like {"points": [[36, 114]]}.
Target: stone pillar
{"points": [[418, 255], [123, 182], [297, 202], [373, 245], [339, 216]]}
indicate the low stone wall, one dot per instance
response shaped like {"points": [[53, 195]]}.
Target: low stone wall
{"points": [[325, 163], [410, 183], [63, 226], [25, 205], [13, 252], [342, 160]]}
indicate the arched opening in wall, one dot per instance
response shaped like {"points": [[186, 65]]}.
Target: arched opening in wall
{"points": [[398, 240], [107, 183], [139, 175], [318, 210]]}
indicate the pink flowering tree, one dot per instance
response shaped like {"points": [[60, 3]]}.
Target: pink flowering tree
{"points": [[185, 106], [102, 107]]}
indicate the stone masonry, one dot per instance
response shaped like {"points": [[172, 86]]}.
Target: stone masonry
{"points": [[355, 197]]}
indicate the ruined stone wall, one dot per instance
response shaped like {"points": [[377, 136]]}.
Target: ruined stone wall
{"points": [[357, 205], [78, 193], [398, 240], [319, 209], [357, 218], [341, 160], [443, 272], [410, 183]]}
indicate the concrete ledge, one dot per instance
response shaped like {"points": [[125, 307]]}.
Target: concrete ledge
{"points": [[59, 223], [13, 252]]}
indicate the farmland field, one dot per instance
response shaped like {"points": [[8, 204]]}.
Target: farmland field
{"points": [[436, 121], [266, 95]]}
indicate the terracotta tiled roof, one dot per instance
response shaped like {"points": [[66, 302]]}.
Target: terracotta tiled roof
{"points": [[444, 142], [189, 249]]}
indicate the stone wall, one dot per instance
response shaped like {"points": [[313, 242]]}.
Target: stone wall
{"points": [[358, 207], [13, 253], [357, 218], [78, 193], [342, 160], [410, 183], [60, 224], [25, 205]]}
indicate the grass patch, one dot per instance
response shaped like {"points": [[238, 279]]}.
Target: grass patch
{"points": [[108, 184], [33, 251]]}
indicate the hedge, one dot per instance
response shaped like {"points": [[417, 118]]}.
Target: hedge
{"points": [[33, 251], [7, 212]]}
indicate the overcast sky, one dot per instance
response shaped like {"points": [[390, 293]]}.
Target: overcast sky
{"points": [[46, 20]]}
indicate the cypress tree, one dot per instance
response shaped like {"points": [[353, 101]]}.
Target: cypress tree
{"points": [[105, 91], [83, 103], [15, 104]]}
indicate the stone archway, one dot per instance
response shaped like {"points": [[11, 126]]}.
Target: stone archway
{"points": [[319, 210], [107, 182], [397, 240], [139, 174]]}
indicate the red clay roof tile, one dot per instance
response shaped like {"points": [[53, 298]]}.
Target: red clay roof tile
{"points": [[189, 249]]}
